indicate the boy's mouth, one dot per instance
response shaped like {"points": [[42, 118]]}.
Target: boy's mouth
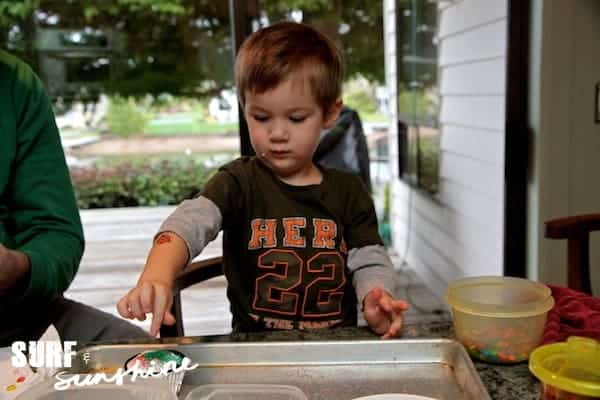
{"points": [[279, 153]]}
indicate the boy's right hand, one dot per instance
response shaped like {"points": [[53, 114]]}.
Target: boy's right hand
{"points": [[149, 297]]}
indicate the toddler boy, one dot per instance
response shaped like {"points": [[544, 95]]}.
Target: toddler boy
{"points": [[300, 242]]}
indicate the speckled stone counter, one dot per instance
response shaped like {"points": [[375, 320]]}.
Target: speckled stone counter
{"points": [[503, 382]]}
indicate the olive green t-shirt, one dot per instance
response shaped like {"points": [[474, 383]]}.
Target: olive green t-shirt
{"points": [[285, 247]]}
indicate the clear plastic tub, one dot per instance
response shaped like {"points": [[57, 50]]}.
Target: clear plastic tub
{"points": [[499, 319], [568, 371], [394, 396], [143, 390], [246, 392]]}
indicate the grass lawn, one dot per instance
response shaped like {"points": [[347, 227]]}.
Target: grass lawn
{"points": [[182, 124], [186, 124], [374, 117], [208, 159]]}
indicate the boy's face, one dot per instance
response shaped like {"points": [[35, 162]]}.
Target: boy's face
{"points": [[285, 125]]}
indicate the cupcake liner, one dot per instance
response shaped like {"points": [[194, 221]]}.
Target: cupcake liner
{"points": [[175, 380], [157, 360]]}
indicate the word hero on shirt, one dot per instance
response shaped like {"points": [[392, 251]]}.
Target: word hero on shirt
{"points": [[263, 233]]}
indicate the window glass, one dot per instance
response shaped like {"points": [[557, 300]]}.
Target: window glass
{"points": [[418, 92], [142, 90]]}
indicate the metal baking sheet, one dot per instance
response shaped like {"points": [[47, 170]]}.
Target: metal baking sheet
{"points": [[324, 370]]}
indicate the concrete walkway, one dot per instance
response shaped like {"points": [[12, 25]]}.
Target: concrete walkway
{"points": [[117, 243]]}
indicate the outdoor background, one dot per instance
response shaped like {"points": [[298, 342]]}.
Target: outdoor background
{"points": [[144, 95]]}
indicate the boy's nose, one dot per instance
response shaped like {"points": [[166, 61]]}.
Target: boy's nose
{"points": [[278, 132]]}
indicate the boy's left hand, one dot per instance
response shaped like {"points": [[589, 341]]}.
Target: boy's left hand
{"points": [[383, 313]]}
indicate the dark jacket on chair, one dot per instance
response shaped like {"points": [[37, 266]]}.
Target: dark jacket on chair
{"points": [[344, 146]]}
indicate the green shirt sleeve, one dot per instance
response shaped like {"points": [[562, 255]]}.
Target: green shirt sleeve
{"points": [[41, 201]]}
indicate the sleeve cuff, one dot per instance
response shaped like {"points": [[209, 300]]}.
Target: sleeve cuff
{"points": [[196, 221], [369, 278]]}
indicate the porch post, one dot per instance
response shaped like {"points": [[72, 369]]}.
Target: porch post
{"points": [[240, 14], [517, 134]]}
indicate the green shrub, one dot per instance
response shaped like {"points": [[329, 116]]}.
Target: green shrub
{"points": [[359, 94], [129, 185], [125, 118], [361, 100]]}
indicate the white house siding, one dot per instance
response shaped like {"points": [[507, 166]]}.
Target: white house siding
{"points": [[459, 231]]}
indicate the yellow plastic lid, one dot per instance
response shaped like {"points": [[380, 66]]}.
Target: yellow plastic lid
{"points": [[573, 365], [499, 296]]}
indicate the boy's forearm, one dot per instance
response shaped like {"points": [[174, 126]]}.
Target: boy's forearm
{"points": [[168, 256], [181, 237]]}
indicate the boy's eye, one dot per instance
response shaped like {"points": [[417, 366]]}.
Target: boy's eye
{"points": [[260, 118], [297, 119]]}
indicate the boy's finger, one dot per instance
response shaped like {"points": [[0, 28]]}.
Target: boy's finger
{"points": [[136, 307], [161, 304], [400, 306], [394, 328], [385, 302], [146, 297], [157, 318], [372, 299], [123, 308]]}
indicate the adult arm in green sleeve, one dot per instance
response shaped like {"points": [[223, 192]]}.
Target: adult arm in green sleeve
{"points": [[47, 227]]}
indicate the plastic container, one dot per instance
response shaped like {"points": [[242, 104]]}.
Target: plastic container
{"points": [[101, 391], [499, 319], [246, 392], [568, 370], [394, 396]]}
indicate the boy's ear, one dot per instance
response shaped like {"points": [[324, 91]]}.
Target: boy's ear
{"points": [[333, 113]]}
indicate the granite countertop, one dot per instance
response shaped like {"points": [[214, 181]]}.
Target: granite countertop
{"points": [[503, 382]]}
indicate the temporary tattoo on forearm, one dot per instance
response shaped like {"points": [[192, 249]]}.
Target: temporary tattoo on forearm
{"points": [[162, 239]]}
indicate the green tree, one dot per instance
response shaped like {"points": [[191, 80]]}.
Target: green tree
{"points": [[183, 47], [174, 46], [356, 26]]}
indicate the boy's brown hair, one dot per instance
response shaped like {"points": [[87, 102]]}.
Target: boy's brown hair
{"points": [[272, 54]]}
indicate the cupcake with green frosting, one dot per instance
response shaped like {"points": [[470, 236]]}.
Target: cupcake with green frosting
{"points": [[161, 364]]}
